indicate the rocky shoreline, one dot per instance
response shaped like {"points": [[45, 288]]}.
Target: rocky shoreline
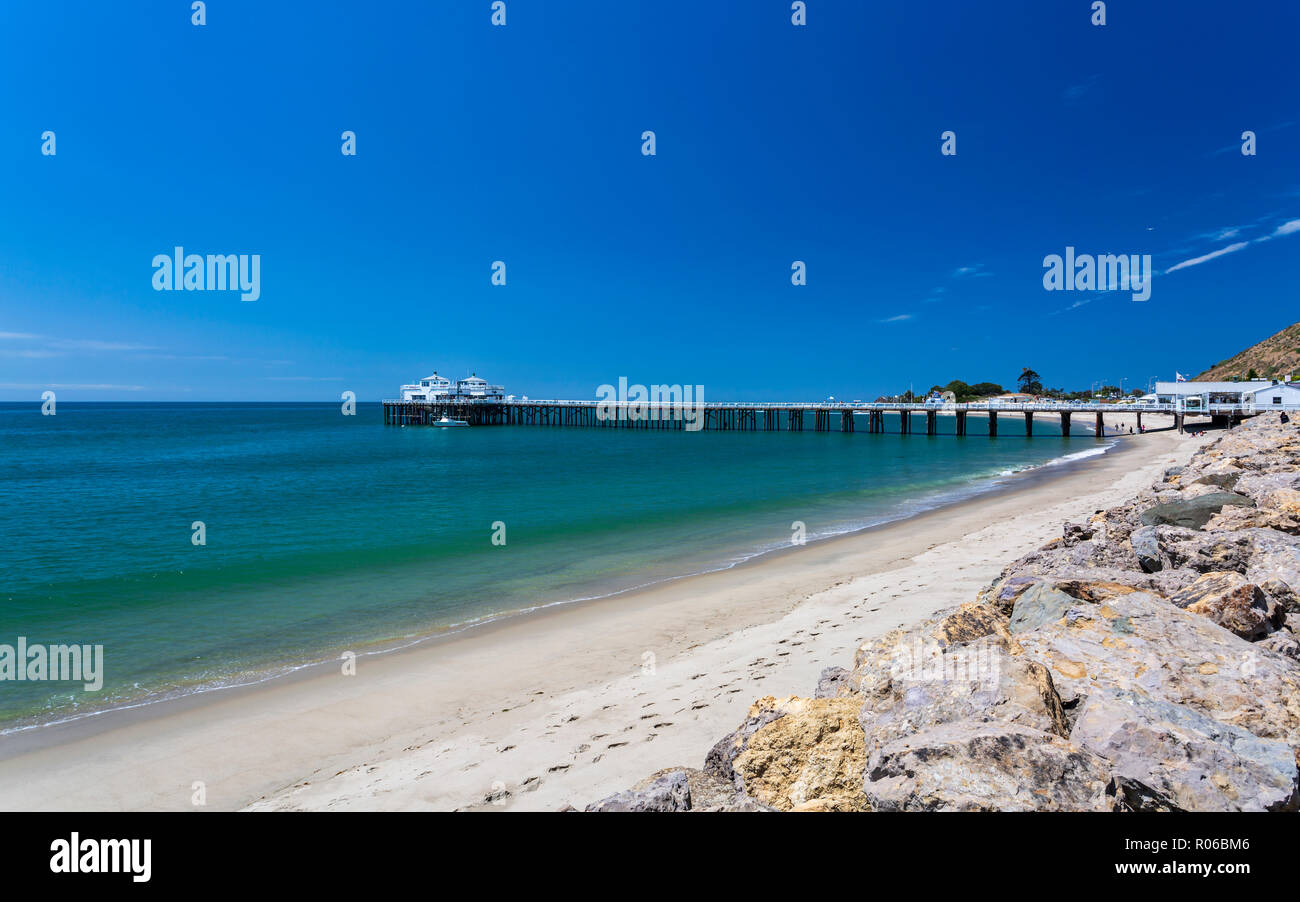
{"points": [[1141, 661]]}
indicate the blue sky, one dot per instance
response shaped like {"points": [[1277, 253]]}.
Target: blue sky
{"points": [[775, 143]]}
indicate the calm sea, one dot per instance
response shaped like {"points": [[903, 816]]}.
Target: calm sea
{"points": [[326, 533]]}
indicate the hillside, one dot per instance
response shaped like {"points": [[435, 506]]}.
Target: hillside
{"points": [[1272, 358]]}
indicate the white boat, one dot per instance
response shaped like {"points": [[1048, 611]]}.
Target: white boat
{"points": [[446, 421]]}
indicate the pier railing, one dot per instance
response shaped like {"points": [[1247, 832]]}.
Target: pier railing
{"points": [[760, 416]]}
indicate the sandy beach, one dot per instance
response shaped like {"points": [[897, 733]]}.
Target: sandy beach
{"points": [[566, 705]]}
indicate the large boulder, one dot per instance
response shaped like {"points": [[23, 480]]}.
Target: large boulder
{"points": [[1233, 602], [1192, 513], [708, 793], [1222, 474], [1232, 519], [1283, 642], [1261, 485], [1285, 500], [984, 680], [1275, 565], [1147, 548], [671, 792], [719, 761], [1142, 643], [813, 755], [1194, 761], [832, 682], [876, 661], [1205, 552], [1040, 603], [985, 766]]}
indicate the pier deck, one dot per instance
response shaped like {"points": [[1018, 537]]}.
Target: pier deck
{"points": [[827, 416]]}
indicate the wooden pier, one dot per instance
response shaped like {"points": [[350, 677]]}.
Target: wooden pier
{"points": [[756, 417]]}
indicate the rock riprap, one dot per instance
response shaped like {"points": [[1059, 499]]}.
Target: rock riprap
{"points": [[1142, 661]]}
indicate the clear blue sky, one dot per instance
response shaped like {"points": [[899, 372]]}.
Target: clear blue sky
{"points": [[523, 144]]}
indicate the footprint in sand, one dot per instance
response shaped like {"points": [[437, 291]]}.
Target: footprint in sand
{"points": [[614, 745]]}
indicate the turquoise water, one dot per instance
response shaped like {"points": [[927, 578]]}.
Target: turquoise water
{"points": [[327, 532]]}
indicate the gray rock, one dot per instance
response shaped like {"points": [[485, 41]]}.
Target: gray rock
{"points": [[1193, 513], [832, 682], [671, 792], [1076, 532], [1260, 485], [1039, 604], [1206, 552], [972, 682], [1133, 795], [1147, 548], [985, 766], [1275, 565], [1142, 643], [708, 793], [1192, 759], [1283, 642]]}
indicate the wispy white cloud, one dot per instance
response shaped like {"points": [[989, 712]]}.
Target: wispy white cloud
{"points": [[17, 336], [1286, 228], [897, 319], [184, 357], [1204, 258], [69, 386], [1075, 92], [92, 344], [29, 353], [1290, 227]]}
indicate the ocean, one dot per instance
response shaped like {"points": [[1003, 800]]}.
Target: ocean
{"points": [[327, 533]]}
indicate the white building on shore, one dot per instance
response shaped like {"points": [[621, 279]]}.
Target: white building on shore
{"points": [[1259, 394]]}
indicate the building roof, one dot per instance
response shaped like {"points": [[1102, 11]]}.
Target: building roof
{"points": [[1201, 388], [1274, 386], [474, 379]]}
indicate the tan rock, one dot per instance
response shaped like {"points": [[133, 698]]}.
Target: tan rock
{"points": [[1285, 500], [1142, 643], [812, 758], [874, 660], [1234, 518]]}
